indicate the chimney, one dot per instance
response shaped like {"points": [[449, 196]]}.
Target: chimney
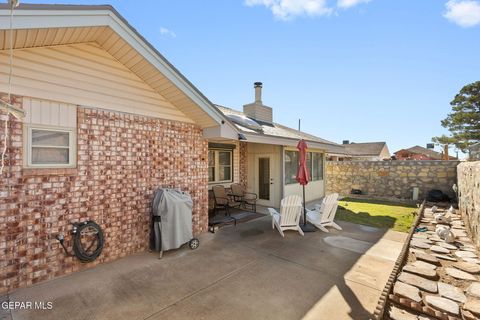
{"points": [[258, 92], [345, 142], [257, 110], [445, 152]]}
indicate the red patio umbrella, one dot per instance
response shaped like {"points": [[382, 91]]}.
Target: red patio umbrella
{"points": [[302, 178], [302, 172]]}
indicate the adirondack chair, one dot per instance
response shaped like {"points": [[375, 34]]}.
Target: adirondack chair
{"points": [[289, 216], [324, 213]]}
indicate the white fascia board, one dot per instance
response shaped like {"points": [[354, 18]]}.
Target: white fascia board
{"points": [[229, 132], [39, 19], [287, 142], [224, 131]]}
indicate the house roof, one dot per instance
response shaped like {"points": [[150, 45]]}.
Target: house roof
{"points": [[37, 25], [365, 148], [280, 133], [427, 152]]}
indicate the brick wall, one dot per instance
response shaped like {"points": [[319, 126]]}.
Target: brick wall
{"points": [[243, 163], [391, 179], [469, 196], [122, 159]]}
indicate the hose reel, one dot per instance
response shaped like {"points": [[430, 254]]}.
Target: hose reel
{"points": [[88, 241]]}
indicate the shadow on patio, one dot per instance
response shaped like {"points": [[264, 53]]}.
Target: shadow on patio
{"points": [[243, 272]]}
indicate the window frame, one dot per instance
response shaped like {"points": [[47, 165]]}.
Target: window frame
{"points": [[310, 178], [214, 165], [320, 156], [28, 146], [285, 171], [216, 172]]}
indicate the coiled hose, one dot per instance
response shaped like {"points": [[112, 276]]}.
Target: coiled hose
{"points": [[87, 228]]}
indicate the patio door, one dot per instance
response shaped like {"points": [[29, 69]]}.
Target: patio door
{"points": [[265, 181]]}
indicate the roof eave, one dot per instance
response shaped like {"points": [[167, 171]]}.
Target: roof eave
{"points": [[287, 141], [30, 16]]}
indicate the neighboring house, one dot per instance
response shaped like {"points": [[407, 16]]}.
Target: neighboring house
{"points": [[419, 153], [364, 151], [265, 159], [109, 120]]}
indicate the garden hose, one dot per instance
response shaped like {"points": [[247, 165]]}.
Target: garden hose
{"points": [[85, 254]]}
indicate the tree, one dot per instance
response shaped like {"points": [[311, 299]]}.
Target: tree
{"points": [[464, 122]]}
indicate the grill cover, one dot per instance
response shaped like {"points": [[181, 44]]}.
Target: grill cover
{"points": [[172, 216]]}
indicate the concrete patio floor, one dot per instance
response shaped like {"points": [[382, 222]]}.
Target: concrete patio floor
{"points": [[243, 272]]}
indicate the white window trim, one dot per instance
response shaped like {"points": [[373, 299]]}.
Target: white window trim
{"points": [[322, 166], [72, 148], [287, 183], [310, 169], [217, 166]]}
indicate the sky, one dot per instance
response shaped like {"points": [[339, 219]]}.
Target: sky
{"points": [[358, 70]]}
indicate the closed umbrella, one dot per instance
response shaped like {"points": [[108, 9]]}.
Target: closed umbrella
{"points": [[302, 178]]}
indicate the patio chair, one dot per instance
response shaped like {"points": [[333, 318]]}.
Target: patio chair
{"points": [[289, 216], [323, 214], [223, 200], [246, 198]]}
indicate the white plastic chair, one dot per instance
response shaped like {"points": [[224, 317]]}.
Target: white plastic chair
{"points": [[289, 216], [324, 213]]}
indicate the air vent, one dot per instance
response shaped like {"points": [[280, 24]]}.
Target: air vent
{"points": [[245, 122]]}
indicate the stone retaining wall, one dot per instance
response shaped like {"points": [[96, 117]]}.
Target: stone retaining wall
{"points": [[469, 196], [391, 179]]}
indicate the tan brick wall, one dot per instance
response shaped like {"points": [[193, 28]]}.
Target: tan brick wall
{"points": [[122, 159], [391, 179], [469, 196]]}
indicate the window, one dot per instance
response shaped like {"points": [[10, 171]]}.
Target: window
{"points": [[317, 166], [291, 166], [314, 164], [50, 147], [211, 166], [309, 165], [220, 168]]}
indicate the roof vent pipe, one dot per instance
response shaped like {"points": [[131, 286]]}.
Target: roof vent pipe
{"points": [[258, 92]]}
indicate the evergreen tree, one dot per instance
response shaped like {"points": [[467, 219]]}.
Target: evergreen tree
{"points": [[464, 121]]}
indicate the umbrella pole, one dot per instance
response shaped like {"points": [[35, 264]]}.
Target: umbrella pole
{"points": [[306, 227], [304, 209]]}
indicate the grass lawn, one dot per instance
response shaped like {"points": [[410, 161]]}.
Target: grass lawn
{"points": [[377, 213]]}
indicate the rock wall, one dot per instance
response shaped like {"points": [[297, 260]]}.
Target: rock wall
{"points": [[469, 196], [391, 179]]}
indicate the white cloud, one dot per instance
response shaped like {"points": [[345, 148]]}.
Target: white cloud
{"points": [[465, 13], [164, 32], [345, 4], [288, 9]]}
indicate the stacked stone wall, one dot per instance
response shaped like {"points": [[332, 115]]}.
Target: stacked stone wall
{"points": [[469, 196], [391, 179]]}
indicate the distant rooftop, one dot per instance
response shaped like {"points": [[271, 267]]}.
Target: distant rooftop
{"points": [[364, 148], [427, 152]]}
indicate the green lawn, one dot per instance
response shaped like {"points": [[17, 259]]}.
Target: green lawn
{"points": [[377, 213]]}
